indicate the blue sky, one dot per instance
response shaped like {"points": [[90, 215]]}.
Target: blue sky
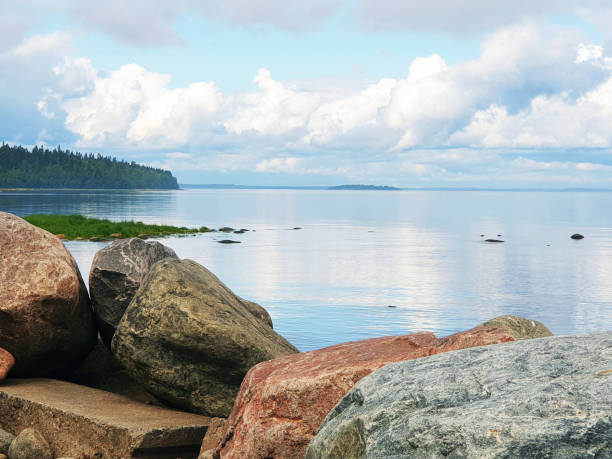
{"points": [[447, 93]]}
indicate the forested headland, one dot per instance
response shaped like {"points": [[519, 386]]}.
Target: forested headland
{"points": [[44, 168]]}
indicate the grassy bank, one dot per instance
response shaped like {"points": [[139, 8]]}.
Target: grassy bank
{"points": [[80, 227]]}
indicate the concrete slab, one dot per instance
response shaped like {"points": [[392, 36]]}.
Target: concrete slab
{"points": [[78, 420]]}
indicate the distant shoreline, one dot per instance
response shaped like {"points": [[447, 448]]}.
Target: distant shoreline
{"points": [[186, 186]]}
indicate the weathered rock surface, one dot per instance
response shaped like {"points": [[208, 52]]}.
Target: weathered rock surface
{"points": [[116, 273], [78, 420], [30, 444], [189, 340], [258, 311], [282, 402], [5, 441], [6, 362], [549, 397], [46, 321]]}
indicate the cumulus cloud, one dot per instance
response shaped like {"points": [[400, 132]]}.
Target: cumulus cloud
{"points": [[273, 110], [135, 105], [527, 82]]}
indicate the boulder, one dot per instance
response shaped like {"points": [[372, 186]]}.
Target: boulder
{"points": [[116, 273], [547, 397], [6, 363], [282, 402], [46, 321], [5, 441], [30, 444], [190, 341]]}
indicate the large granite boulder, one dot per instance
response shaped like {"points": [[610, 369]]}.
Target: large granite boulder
{"points": [[189, 340], [46, 321], [116, 273], [282, 402], [548, 397]]}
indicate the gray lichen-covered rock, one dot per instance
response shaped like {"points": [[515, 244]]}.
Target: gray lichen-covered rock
{"points": [[30, 444], [189, 340], [548, 397], [116, 273]]}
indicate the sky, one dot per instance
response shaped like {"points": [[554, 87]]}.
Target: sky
{"points": [[451, 93]]}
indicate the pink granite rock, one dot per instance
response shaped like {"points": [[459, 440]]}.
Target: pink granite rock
{"points": [[6, 362], [46, 320], [282, 402]]}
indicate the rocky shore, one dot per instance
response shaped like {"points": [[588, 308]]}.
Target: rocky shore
{"points": [[162, 360]]}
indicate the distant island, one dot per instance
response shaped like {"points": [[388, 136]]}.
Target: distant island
{"points": [[44, 168], [363, 187]]}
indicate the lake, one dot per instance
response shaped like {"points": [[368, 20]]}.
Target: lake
{"points": [[375, 263]]}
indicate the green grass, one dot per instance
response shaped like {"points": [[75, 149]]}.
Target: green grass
{"points": [[80, 227]]}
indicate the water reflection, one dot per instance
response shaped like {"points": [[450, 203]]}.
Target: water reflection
{"points": [[359, 252]]}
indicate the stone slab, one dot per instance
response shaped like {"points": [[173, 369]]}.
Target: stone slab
{"points": [[78, 420]]}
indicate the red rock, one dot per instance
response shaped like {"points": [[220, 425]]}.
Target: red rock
{"points": [[46, 320], [282, 402], [6, 362]]}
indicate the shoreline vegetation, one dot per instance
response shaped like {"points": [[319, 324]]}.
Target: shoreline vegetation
{"points": [[78, 227]]}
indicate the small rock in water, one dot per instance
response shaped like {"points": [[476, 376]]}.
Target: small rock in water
{"points": [[493, 240], [577, 236], [228, 241], [226, 229]]}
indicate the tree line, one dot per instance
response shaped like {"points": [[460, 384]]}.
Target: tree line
{"points": [[44, 168]]}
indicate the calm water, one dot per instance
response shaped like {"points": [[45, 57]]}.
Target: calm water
{"points": [[359, 252]]}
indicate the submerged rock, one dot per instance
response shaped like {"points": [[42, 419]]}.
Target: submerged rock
{"points": [[46, 321], [534, 398], [189, 340], [282, 402], [116, 273]]}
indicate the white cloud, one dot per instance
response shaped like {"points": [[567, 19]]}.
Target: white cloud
{"points": [[277, 165], [345, 114], [57, 43], [549, 121], [135, 105], [274, 110]]}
